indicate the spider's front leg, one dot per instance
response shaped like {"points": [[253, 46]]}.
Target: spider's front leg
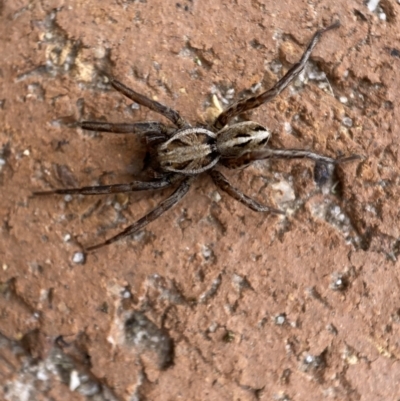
{"points": [[140, 128], [221, 182], [167, 112], [256, 101], [153, 132]]}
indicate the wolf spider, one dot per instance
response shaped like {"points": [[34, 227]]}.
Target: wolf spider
{"points": [[177, 155]]}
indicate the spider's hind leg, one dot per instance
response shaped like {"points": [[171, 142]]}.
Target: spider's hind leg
{"points": [[221, 182], [268, 153], [165, 205], [111, 189]]}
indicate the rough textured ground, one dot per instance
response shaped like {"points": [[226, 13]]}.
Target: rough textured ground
{"points": [[212, 301]]}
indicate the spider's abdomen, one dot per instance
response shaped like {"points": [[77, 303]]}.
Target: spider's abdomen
{"points": [[238, 139], [190, 151]]}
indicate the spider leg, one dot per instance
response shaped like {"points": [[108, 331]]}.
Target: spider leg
{"points": [[293, 154], [165, 205], [256, 101], [167, 112], [110, 189], [221, 182], [122, 128]]}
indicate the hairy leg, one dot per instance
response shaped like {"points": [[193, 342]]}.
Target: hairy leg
{"points": [[167, 112], [267, 96], [122, 128], [110, 189], [165, 205], [221, 182], [267, 153]]}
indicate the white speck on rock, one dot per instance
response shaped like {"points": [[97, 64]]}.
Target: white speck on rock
{"points": [[74, 381], [284, 192], [78, 257], [215, 196], [347, 121], [287, 127], [382, 16], [372, 4]]}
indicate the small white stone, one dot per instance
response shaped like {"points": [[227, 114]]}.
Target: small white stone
{"points": [[215, 196], [280, 319], [343, 99], [78, 258], [347, 121], [74, 381], [287, 127], [372, 4], [213, 327]]}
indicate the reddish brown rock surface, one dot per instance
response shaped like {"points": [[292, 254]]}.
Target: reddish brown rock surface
{"points": [[212, 301]]}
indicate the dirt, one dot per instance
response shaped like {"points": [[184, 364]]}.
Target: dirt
{"points": [[212, 301]]}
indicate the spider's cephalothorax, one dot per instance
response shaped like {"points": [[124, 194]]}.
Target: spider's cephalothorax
{"points": [[175, 156]]}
